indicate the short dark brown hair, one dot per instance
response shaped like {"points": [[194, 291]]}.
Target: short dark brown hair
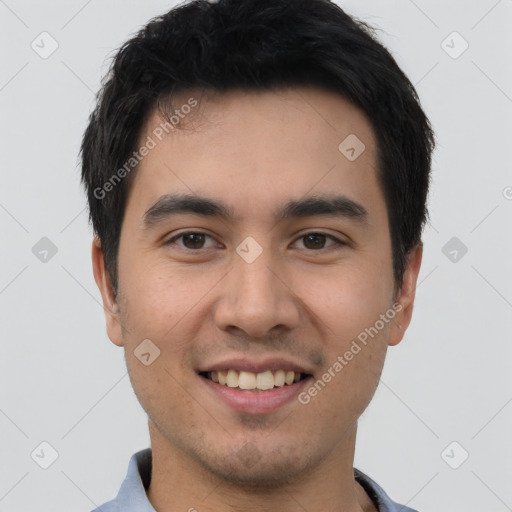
{"points": [[258, 45]]}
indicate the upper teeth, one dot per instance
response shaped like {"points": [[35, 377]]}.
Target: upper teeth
{"points": [[249, 380]]}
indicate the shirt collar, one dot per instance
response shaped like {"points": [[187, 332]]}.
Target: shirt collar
{"points": [[132, 494]]}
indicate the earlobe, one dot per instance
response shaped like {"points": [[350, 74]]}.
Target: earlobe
{"points": [[110, 305], [405, 300]]}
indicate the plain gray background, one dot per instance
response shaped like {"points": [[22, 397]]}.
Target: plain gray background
{"points": [[64, 383]]}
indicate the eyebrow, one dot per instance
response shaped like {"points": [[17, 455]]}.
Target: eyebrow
{"points": [[170, 205]]}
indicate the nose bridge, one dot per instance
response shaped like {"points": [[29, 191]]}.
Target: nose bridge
{"points": [[256, 299], [257, 282]]}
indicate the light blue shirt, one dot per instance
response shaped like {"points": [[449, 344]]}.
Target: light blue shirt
{"points": [[132, 495]]}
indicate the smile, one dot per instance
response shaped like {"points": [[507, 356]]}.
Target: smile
{"points": [[261, 392], [250, 381]]}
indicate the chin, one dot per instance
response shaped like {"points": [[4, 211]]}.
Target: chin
{"points": [[253, 468], [269, 477]]}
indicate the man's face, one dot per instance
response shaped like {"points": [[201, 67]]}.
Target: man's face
{"points": [[253, 292]]}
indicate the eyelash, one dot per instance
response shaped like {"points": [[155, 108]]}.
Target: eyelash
{"points": [[172, 240]]}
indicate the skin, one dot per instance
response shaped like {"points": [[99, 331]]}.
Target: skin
{"points": [[256, 151]]}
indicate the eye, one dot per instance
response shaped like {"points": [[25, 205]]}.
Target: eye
{"points": [[192, 240], [195, 240], [315, 241]]}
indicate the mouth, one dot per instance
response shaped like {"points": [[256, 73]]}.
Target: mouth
{"points": [[254, 388], [264, 381]]}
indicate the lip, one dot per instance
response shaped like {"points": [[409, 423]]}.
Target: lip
{"points": [[255, 402], [254, 366]]}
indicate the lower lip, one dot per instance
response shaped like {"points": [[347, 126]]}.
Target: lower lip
{"points": [[256, 402]]}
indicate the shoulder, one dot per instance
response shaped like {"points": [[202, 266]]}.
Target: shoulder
{"points": [[110, 506], [132, 494], [377, 494]]}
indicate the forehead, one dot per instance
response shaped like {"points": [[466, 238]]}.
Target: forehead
{"points": [[256, 148]]}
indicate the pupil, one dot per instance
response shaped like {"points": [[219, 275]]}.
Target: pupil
{"points": [[315, 236], [197, 239]]}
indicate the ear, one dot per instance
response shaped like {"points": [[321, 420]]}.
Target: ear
{"points": [[110, 306], [405, 297]]}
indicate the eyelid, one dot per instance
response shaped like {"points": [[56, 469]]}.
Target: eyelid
{"points": [[338, 242]]}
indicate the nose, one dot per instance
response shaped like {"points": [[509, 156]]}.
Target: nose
{"points": [[257, 298]]}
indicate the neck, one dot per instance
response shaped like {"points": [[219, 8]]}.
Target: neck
{"points": [[179, 482]]}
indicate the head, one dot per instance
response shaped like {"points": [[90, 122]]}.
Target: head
{"points": [[280, 130]]}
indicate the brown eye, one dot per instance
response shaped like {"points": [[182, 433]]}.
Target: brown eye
{"points": [[316, 241], [191, 240]]}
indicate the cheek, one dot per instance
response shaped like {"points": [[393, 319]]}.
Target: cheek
{"points": [[351, 376], [347, 299], [160, 393], [149, 292], [350, 304], [162, 304]]}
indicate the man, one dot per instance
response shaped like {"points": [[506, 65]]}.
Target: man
{"points": [[257, 174]]}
